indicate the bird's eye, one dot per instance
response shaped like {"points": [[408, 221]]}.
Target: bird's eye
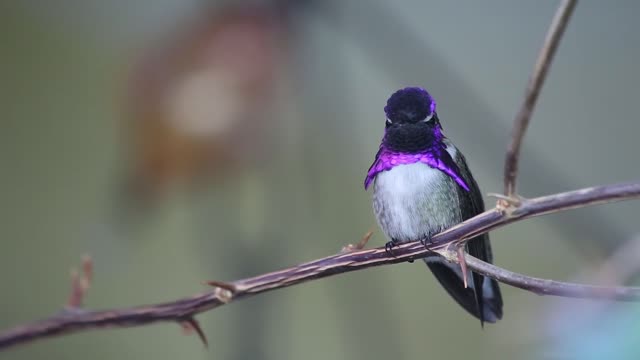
{"points": [[428, 118], [388, 122]]}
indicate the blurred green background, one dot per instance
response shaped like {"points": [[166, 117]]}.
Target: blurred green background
{"points": [[84, 84]]}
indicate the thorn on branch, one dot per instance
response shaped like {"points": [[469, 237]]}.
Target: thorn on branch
{"points": [[80, 283], [191, 325], [508, 203], [223, 291], [360, 245], [463, 264], [458, 257]]}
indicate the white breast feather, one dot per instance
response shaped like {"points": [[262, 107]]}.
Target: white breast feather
{"points": [[404, 188]]}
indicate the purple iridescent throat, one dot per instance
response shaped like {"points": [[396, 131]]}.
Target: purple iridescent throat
{"points": [[434, 157]]}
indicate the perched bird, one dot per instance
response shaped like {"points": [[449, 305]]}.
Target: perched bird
{"points": [[422, 186]]}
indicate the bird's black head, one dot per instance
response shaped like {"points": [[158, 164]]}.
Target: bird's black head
{"points": [[412, 123]]}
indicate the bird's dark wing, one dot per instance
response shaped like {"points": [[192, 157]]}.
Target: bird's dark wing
{"points": [[488, 294], [482, 298], [450, 277], [369, 178]]}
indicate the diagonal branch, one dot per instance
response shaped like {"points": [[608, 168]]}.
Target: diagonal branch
{"points": [[186, 308], [554, 34]]}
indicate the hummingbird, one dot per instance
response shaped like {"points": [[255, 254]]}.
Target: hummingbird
{"points": [[422, 186]]}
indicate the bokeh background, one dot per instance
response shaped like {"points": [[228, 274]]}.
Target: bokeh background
{"points": [[180, 141]]}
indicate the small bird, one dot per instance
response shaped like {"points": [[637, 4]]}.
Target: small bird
{"points": [[422, 186]]}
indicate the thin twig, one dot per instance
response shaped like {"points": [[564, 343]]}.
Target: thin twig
{"points": [[548, 287], [540, 70], [187, 308]]}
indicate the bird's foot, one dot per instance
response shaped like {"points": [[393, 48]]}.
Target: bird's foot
{"points": [[426, 241], [388, 247]]}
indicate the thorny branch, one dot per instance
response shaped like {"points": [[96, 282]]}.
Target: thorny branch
{"points": [[509, 209], [184, 310]]}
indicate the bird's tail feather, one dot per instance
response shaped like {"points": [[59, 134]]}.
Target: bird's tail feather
{"points": [[450, 277]]}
